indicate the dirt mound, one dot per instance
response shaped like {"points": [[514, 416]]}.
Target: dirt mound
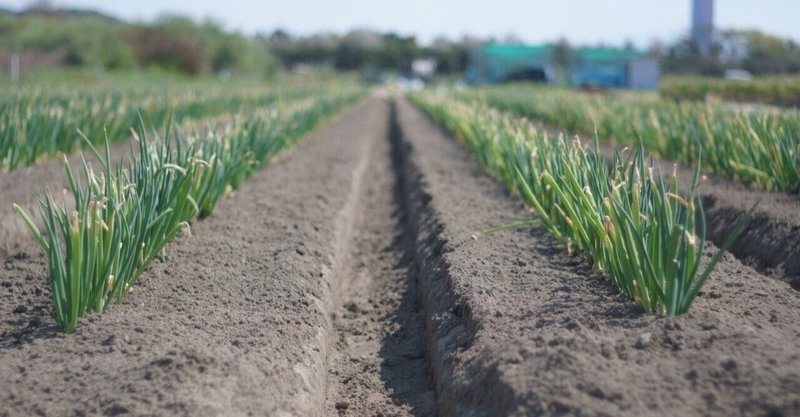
{"points": [[234, 322], [515, 326], [353, 278]]}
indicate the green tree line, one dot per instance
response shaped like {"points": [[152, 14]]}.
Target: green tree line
{"points": [[368, 51], [169, 43]]}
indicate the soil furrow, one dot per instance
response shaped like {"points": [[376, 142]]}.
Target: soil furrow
{"points": [[352, 278], [377, 366], [235, 322], [515, 326]]}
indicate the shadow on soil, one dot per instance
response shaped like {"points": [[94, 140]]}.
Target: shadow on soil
{"points": [[404, 370], [31, 310]]}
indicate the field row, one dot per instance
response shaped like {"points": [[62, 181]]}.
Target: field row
{"points": [[756, 148], [379, 269], [517, 326], [781, 91], [629, 222], [37, 123], [118, 219], [239, 310]]}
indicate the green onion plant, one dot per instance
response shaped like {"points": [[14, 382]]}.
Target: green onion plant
{"points": [[123, 217], [755, 148], [623, 217]]}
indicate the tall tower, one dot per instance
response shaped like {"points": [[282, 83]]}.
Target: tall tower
{"points": [[703, 25]]}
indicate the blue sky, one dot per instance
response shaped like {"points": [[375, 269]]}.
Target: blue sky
{"points": [[580, 21]]}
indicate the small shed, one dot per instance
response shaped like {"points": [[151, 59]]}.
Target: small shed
{"points": [[493, 63], [614, 68], [588, 67]]}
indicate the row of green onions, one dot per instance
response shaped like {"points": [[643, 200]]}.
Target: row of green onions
{"points": [[757, 148], [777, 90], [36, 125], [624, 217], [123, 217]]}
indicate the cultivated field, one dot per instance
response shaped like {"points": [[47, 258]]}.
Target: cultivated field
{"points": [[317, 250], [775, 90]]}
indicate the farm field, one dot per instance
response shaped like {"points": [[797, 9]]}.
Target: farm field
{"points": [[775, 90], [41, 122], [675, 133], [758, 148], [373, 254]]}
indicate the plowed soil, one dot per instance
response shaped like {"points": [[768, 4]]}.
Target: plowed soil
{"points": [[352, 278]]}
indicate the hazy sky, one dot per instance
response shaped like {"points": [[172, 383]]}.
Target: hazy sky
{"points": [[580, 21]]}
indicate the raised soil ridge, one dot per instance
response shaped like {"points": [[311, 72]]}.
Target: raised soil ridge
{"points": [[353, 278]]}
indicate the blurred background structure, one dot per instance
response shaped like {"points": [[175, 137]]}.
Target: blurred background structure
{"points": [[583, 67], [703, 25], [41, 35]]}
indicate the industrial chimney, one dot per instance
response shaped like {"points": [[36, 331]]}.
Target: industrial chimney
{"points": [[703, 25]]}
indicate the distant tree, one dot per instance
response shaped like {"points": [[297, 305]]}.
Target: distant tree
{"points": [[397, 53], [451, 57], [88, 38], [628, 45], [279, 39], [751, 50], [656, 49], [769, 54], [157, 47], [41, 5], [562, 53], [684, 57], [348, 57]]}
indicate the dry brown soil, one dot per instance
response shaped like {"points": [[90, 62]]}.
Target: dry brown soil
{"points": [[351, 278]]}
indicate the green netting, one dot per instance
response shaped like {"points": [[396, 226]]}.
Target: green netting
{"points": [[518, 52], [608, 55]]}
